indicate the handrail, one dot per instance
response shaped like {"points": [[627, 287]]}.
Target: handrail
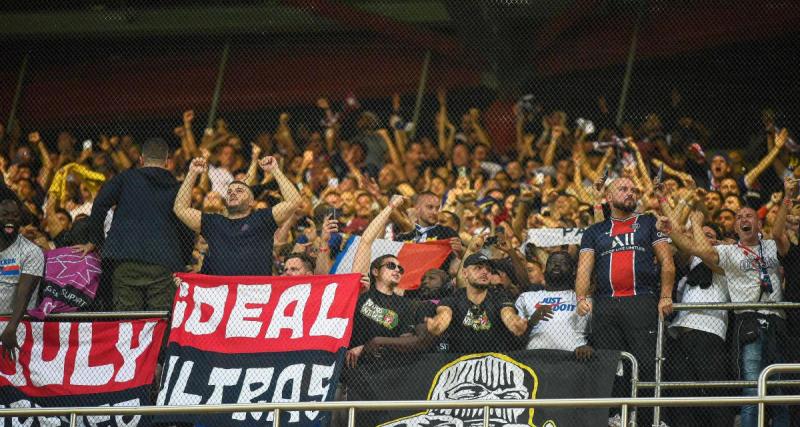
{"points": [[762, 385], [658, 384], [735, 305], [96, 315], [403, 405]]}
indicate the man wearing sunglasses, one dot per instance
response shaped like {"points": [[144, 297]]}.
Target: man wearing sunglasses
{"points": [[480, 317], [384, 320], [751, 269]]}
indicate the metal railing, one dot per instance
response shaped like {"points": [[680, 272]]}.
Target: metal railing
{"points": [[352, 407], [658, 384]]}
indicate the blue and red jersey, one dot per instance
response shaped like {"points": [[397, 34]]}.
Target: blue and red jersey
{"points": [[624, 262]]}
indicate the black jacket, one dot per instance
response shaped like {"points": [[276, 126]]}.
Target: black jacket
{"points": [[144, 227]]}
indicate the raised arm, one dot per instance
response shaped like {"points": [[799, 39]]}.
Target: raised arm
{"points": [[291, 197], [779, 229], [363, 255], [183, 201], [780, 140], [687, 244], [324, 262], [252, 170]]}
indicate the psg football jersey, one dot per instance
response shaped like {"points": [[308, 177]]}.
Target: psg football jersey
{"points": [[625, 264]]}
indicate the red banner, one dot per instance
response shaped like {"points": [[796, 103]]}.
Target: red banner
{"points": [[81, 358], [253, 314]]}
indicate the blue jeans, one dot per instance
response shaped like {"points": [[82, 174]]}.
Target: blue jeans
{"points": [[750, 365]]}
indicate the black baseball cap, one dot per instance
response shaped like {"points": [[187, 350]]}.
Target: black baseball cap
{"points": [[478, 258]]}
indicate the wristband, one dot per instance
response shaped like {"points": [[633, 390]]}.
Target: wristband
{"points": [[582, 299], [662, 199], [787, 202], [598, 206], [324, 249], [666, 297]]}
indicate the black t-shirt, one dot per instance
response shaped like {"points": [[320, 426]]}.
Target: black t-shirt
{"points": [[381, 315], [477, 328], [239, 247]]}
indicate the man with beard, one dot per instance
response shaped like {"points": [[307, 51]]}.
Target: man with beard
{"points": [[627, 259], [552, 311], [428, 226], [751, 268], [22, 264], [239, 243], [471, 318]]}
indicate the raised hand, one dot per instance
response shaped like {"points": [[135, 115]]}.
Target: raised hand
{"points": [[34, 137], [255, 151], [329, 226], [198, 165], [790, 187], [697, 217], [396, 201], [188, 116], [664, 225], [268, 164]]}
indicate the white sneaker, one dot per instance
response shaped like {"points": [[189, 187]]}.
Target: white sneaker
{"points": [[615, 421]]}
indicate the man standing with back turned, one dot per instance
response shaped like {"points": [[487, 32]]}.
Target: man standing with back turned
{"points": [[146, 242]]}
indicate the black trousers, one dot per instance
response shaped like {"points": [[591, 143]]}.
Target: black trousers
{"points": [[699, 356], [629, 324]]}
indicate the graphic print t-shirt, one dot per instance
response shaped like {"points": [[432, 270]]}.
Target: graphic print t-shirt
{"points": [[381, 315], [565, 330], [22, 257], [624, 262], [742, 273], [477, 328]]}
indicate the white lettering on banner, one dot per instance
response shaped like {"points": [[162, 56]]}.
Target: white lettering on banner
{"points": [[213, 297], [180, 306], [17, 379], [262, 377], [52, 371], [238, 325], [298, 295], [91, 420], [124, 341], [319, 385], [179, 395], [84, 374], [162, 391], [323, 325], [219, 379], [255, 386], [293, 373]]}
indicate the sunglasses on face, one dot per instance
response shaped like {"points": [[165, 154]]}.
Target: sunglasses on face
{"points": [[394, 266]]}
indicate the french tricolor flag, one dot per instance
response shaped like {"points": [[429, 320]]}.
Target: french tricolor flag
{"points": [[416, 258]]}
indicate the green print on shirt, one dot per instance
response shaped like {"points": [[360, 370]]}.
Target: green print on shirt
{"points": [[383, 316], [477, 321]]}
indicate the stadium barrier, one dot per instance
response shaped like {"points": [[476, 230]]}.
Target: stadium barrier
{"points": [[658, 384]]}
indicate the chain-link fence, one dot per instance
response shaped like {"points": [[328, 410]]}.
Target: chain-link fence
{"points": [[523, 188]]}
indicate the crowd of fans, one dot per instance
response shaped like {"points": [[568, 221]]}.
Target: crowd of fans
{"points": [[664, 220]]}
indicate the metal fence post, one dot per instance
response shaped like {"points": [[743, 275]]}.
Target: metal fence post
{"points": [[73, 420], [276, 417], [634, 383], [624, 415], [659, 363], [351, 417], [486, 416]]}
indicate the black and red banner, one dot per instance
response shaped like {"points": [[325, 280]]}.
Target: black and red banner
{"points": [[70, 364], [244, 339]]}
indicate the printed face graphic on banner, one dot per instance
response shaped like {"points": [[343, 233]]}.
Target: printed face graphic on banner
{"points": [[484, 376]]}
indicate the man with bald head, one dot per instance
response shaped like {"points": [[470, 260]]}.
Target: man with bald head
{"points": [[752, 274], [631, 265]]}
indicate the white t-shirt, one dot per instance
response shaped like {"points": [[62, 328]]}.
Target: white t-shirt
{"points": [[22, 257], [742, 273], [711, 321], [565, 331]]}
